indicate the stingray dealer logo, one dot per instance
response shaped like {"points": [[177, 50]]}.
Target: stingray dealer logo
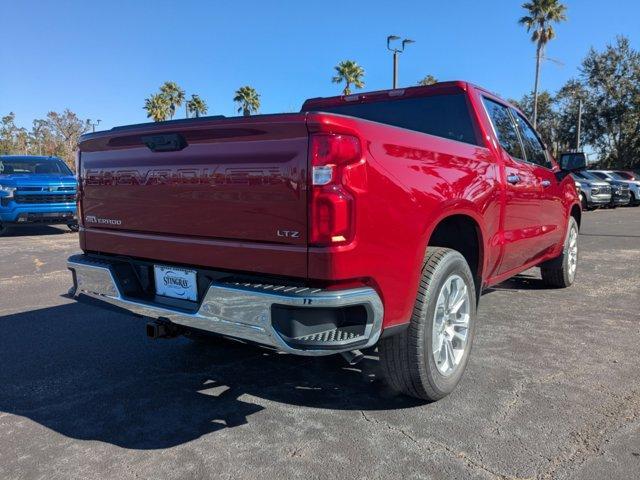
{"points": [[176, 282], [171, 280], [102, 221]]}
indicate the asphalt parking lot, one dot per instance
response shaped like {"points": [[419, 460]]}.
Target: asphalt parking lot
{"points": [[552, 389]]}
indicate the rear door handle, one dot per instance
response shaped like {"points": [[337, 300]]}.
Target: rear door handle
{"points": [[545, 183], [513, 179]]}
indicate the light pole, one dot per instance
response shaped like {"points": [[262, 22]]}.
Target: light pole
{"points": [[94, 125], [396, 52], [579, 125]]}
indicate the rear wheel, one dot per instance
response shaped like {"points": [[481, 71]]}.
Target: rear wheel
{"points": [[428, 359], [3, 229], [73, 226], [561, 272]]}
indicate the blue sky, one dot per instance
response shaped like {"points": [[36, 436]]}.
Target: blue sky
{"points": [[101, 59]]}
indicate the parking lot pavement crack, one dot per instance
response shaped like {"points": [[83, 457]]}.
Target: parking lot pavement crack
{"points": [[504, 413], [589, 442], [432, 446]]}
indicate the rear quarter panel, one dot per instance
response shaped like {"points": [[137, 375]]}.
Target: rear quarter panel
{"points": [[414, 180]]}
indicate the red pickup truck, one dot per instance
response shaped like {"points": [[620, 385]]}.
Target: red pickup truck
{"points": [[373, 219]]}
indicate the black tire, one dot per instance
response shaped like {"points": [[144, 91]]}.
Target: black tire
{"points": [[4, 230], [634, 202], [557, 273], [73, 226], [407, 358]]}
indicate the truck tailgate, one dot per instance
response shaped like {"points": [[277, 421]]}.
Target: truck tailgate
{"points": [[198, 184]]}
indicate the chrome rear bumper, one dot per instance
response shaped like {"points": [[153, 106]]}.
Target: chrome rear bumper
{"points": [[241, 311]]}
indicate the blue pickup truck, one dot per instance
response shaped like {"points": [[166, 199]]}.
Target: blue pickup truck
{"points": [[36, 190]]}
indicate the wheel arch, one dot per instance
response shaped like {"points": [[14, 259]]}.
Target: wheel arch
{"points": [[461, 231]]}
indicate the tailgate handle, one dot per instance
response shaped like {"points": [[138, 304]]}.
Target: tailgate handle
{"points": [[170, 142]]}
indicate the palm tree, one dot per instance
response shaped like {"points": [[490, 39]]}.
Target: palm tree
{"points": [[196, 106], [173, 94], [428, 80], [157, 107], [248, 100], [351, 73], [541, 13]]}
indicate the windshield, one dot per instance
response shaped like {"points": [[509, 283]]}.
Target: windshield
{"points": [[25, 166]]}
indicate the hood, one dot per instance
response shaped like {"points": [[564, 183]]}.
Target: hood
{"points": [[623, 182], [39, 180], [618, 183], [592, 183], [612, 182]]}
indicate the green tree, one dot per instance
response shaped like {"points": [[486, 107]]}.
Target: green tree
{"points": [[350, 73], [67, 127], [248, 100], [567, 101], [538, 21], [196, 106], [40, 134], [157, 107], [8, 134], [57, 135], [428, 80], [174, 96], [611, 80]]}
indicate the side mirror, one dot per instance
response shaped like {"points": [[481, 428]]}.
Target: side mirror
{"points": [[571, 162]]}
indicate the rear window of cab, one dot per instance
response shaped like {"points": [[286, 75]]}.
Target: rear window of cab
{"points": [[447, 116]]}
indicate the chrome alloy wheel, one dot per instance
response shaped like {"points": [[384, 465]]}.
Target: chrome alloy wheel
{"points": [[573, 253], [450, 325]]}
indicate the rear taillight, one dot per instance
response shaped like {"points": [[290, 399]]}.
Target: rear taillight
{"points": [[337, 175]]}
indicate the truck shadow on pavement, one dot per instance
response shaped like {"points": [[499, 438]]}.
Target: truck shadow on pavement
{"points": [[31, 230], [91, 374], [523, 281]]}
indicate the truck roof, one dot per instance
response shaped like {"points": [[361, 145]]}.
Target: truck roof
{"points": [[417, 91], [452, 86]]}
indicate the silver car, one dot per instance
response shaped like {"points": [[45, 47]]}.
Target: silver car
{"points": [[616, 178], [593, 192]]}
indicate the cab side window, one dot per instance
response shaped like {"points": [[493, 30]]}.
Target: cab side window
{"points": [[505, 128], [533, 148]]}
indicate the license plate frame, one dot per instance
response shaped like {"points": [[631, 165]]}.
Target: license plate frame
{"points": [[176, 282]]}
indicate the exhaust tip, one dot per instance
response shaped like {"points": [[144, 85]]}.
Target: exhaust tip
{"points": [[353, 356]]}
